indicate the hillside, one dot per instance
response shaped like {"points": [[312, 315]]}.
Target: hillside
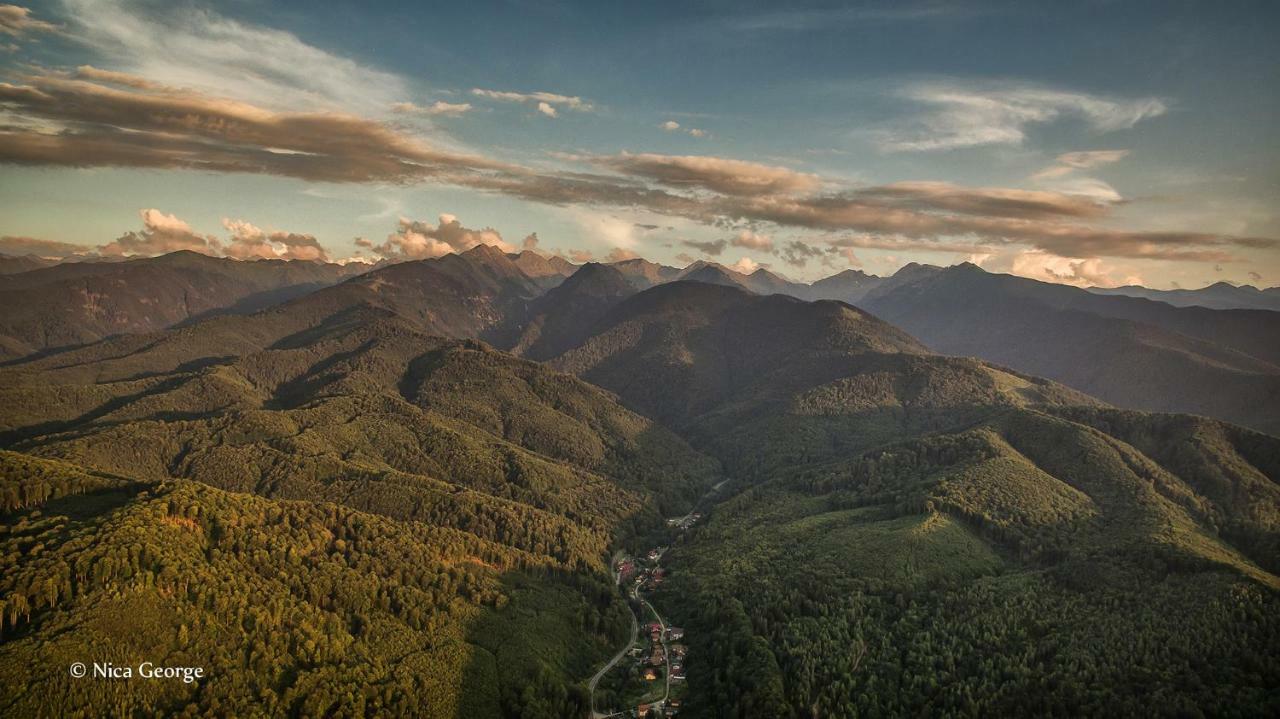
{"points": [[848, 286], [1130, 352], [78, 303], [764, 383], [349, 502], [394, 522], [14, 264], [1022, 565], [563, 318], [547, 271], [288, 608], [457, 296]]}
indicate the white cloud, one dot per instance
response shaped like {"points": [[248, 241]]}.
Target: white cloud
{"points": [[188, 47], [439, 107], [746, 266], [549, 99], [752, 241], [673, 126], [547, 110], [1047, 267], [604, 228], [966, 116], [1068, 163]]}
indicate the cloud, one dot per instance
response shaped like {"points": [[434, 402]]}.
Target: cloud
{"points": [[17, 21], [89, 72], [904, 244], [620, 254], [98, 117], [1039, 265], [984, 201], [89, 124], [752, 240], [530, 242], [746, 266], [966, 116], [1256, 277], [673, 126], [712, 248], [849, 256], [13, 245], [1041, 219], [192, 47], [439, 107], [250, 242], [161, 234], [718, 174], [809, 19], [604, 227], [685, 258], [797, 253], [1068, 163], [414, 240], [581, 256], [549, 100]]}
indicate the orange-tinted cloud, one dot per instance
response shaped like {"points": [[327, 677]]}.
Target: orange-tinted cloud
{"points": [[124, 121], [415, 240], [160, 234]]}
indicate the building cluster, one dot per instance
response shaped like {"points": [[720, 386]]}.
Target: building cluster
{"points": [[683, 523], [669, 708], [665, 650]]}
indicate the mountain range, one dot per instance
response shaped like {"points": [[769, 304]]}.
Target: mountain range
{"points": [[398, 492], [1218, 296]]}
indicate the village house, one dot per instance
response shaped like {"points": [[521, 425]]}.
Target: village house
{"points": [[675, 633]]}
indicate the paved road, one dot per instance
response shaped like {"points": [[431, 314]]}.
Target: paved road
{"points": [[666, 654], [635, 623], [635, 629]]}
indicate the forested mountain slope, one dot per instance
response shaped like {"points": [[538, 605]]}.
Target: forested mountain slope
{"points": [[300, 608], [767, 381], [351, 503], [1131, 352], [1025, 564], [367, 423], [76, 303]]}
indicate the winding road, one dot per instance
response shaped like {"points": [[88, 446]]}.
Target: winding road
{"points": [[635, 631], [635, 627]]}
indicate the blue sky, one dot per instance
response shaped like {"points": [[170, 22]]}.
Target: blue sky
{"points": [[1090, 143]]}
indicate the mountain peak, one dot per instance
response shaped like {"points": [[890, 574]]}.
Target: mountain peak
{"points": [[488, 252]]}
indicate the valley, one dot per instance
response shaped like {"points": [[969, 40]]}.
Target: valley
{"points": [[519, 490]]}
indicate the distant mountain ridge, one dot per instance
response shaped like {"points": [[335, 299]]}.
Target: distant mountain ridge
{"points": [[1131, 352], [1218, 296], [72, 304]]}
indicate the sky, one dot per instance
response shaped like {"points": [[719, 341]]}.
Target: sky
{"points": [[1088, 143]]}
